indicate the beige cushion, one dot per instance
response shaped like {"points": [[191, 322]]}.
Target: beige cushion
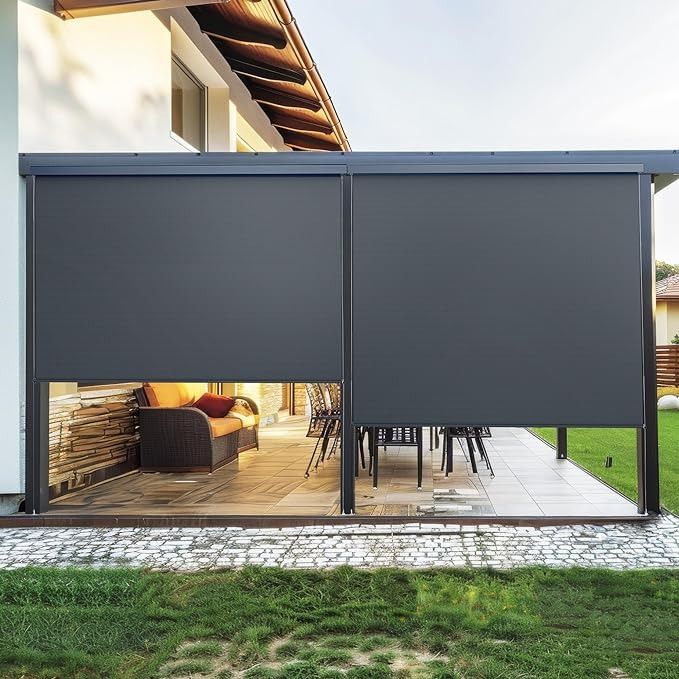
{"points": [[221, 426], [167, 394], [242, 410], [246, 420]]}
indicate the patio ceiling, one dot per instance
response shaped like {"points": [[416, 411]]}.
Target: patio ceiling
{"points": [[262, 44]]}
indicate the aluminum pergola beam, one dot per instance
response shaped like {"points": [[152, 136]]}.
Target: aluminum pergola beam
{"points": [[645, 162], [663, 166]]}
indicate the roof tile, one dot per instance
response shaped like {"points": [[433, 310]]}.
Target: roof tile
{"points": [[668, 288]]}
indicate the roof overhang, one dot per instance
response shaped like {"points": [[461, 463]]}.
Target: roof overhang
{"points": [[76, 9], [262, 44]]}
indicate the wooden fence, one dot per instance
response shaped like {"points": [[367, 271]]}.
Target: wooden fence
{"points": [[667, 361]]}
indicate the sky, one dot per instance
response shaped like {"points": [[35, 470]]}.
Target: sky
{"points": [[504, 75]]}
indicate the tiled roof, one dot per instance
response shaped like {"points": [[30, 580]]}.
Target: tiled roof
{"points": [[668, 288]]}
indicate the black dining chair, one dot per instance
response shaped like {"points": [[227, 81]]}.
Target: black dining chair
{"points": [[393, 436], [470, 435], [331, 428], [334, 391], [319, 408], [480, 433], [359, 449]]}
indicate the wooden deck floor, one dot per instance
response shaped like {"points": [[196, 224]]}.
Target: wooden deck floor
{"points": [[528, 481], [265, 481]]}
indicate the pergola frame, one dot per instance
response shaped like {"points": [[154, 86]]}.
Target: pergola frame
{"points": [[653, 167]]}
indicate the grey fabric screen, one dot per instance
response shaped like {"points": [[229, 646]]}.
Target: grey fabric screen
{"points": [[490, 299], [497, 300], [188, 278]]}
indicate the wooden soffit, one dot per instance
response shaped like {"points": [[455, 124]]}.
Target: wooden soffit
{"points": [[264, 47]]}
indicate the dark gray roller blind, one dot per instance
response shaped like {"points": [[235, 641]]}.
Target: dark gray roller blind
{"points": [[188, 277], [497, 299]]}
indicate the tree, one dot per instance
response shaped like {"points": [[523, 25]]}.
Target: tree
{"points": [[664, 269]]}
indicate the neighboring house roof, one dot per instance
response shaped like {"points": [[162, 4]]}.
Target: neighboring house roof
{"points": [[263, 45], [261, 42], [668, 288]]}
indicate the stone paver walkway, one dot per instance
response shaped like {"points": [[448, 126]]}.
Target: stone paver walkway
{"points": [[652, 544]]}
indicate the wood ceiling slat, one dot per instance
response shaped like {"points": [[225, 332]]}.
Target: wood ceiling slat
{"points": [[263, 70], [297, 123], [305, 91], [279, 97], [283, 58], [217, 26], [309, 142], [301, 114], [260, 15]]}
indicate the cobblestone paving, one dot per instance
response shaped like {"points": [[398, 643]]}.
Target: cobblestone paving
{"points": [[652, 544]]}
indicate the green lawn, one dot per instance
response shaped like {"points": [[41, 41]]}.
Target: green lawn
{"points": [[589, 447], [270, 623]]}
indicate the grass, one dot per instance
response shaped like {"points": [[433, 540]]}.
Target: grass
{"points": [[340, 624], [200, 649], [590, 447], [187, 667]]}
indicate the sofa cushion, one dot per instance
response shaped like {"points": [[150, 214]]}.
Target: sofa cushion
{"points": [[167, 394], [221, 426], [245, 420], [242, 410], [214, 405], [242, 406]]}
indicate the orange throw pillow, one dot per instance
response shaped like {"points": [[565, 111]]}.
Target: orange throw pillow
{"points": [[214, 405]]}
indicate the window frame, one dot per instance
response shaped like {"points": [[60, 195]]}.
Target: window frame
{"points": [[202, 87]]}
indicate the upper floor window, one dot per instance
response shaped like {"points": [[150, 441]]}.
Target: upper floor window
{"points": [[188, 107]]}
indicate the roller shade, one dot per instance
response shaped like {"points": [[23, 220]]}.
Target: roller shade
{"points": [[490, 299], [235, 278], [506, 299]]}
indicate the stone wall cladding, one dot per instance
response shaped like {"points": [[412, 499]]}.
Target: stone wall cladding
{"points": [[271, 397], [90, 432], [301, 406]]}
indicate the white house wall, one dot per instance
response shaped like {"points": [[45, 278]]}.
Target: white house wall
{"points": [[672, 321], [661, 332], [103, 84], [10, 276], [95, 84]]}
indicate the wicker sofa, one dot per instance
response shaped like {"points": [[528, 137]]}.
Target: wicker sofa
{"points": [[176, 437]]}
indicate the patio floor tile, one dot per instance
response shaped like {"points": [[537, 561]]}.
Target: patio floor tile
{"points": [[528, 481]]}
